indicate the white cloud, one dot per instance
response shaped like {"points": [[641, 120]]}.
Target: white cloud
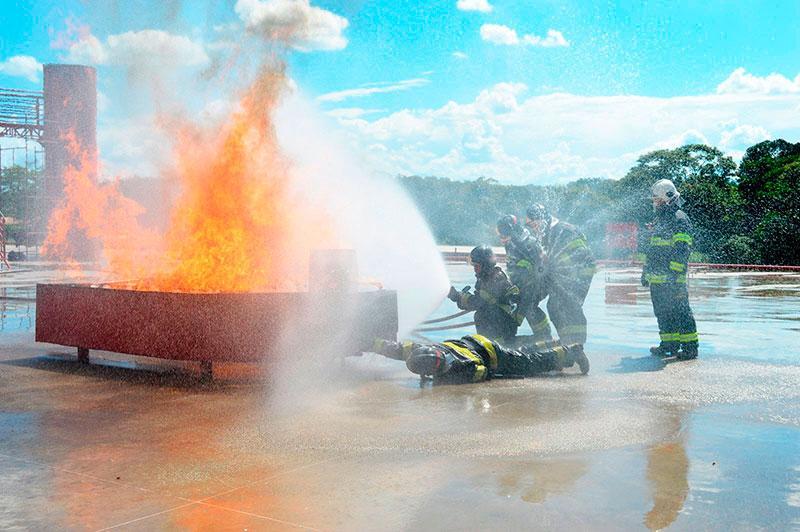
{"points": [[558, 137], [553, 39], [690, 136], [373, 88], [460, 55], [742, 82], [293, 22], [22, 66], [742, 136], [350, 113], [503, 35], [138, 48], [87, 50], [499, 34], [474, 5]]}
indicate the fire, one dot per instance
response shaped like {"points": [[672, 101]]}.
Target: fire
{"points": [[240, 223], [92, 213]]}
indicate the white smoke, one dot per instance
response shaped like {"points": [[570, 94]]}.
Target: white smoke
{"points": [[392, 241]]}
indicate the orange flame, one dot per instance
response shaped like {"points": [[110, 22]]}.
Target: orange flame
{"points": [[239, 225]]}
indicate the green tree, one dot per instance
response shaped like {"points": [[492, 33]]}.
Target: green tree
{"points": [[706, 178]]}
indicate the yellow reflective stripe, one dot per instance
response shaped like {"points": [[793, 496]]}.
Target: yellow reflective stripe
{"points": [[670, 337], [682, 237], [653, 278], [688, 337], [524, 263], [407, 348], [487, 344], [561, 355], [677, 266], [543, 345], [577, 243], [464, 351], [681, 279], [487, 296], [480, 369], [658, 241], [542, 325], [574, 329]]}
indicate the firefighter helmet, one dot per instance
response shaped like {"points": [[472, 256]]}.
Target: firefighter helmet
{"points": [[507, 225], [664, 193], [483, 255], [537, 211]]}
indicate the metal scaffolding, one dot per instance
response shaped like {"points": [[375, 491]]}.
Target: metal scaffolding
{"points": [[21, 166]]}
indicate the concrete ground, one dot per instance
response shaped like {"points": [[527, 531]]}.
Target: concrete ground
{"points": [[131, 443]]}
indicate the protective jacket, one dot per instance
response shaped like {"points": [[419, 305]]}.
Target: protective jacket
{"points": [[569, 270], [494, 303], [665, 269], [475, 358], [667, 252], [568, 253]]}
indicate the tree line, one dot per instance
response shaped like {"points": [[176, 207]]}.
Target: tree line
{"points": [[747, 213]]}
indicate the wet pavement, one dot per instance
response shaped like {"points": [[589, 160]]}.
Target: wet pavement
{"points": [[136, 444]]}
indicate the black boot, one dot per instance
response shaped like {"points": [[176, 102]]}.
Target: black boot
{"points": [[688, 351], [664, 350], [581, 359]]}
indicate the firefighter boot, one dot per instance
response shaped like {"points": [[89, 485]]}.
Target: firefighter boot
{"points": [[688, 351], [581, 359], [664, 350]]}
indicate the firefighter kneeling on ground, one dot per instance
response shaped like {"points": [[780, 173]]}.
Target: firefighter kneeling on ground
{"points": [[475, 358], [494, 300], [665, 270]]}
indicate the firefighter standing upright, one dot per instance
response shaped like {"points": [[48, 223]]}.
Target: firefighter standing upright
{"points": [[494, 300], [524, 261], [665, 270], [569, 268]]}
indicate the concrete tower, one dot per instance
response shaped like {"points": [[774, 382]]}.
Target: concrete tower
{"points": [[70, 112]]}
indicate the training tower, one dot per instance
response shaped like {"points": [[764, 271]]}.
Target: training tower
{"points": [[61, 122]]}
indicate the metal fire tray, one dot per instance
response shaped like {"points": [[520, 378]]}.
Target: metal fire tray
{"points": [[230, 327]]}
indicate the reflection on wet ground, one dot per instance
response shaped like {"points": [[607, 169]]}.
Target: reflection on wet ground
{"points": [[138, 444]]}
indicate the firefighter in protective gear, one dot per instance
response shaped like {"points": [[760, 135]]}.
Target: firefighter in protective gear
{"points": [[475, 358], [665, 270], [568, 269], [524, 259], [494, 300]]}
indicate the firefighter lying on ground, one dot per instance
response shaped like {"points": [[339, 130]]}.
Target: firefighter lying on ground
{"points": [[495, 298], [475, 358], [665, 269]]}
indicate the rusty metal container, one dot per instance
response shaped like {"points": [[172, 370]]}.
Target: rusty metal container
{"points": [[231, 327]]}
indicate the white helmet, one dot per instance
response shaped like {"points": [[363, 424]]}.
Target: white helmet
{"points": [[665, 193]]}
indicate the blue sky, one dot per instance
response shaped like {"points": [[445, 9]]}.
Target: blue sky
{"points": [[523, 91]]}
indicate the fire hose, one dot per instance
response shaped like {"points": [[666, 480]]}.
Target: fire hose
{"points": [[444, 327], [446, 318]]}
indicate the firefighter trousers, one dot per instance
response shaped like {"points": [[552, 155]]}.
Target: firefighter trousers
{"points": [[565, 307], [676, 323], [539, 322]]}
